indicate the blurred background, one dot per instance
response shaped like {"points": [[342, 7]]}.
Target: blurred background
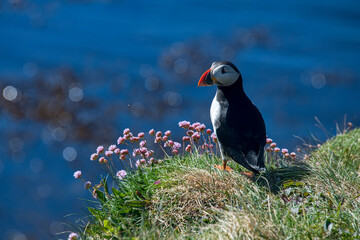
{"points": [[74, 74]]}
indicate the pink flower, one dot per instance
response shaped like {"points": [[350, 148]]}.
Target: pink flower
{"points": [[298, 149], [158, 134], [94, 194], [200, 128], [100, 149], [177, 145], [142, 143], [165, 138], [214, 138], [121, 174], [127, 136], [269, 140], [196, 136], [94, 156], [171, 143], [272, 145], [268, 149], [124, 152], [287, 155], [157, 182], [141, 135], [186, 138], [122, 157], [188, 148], [73, 236], [151, 160], [126, 131], [87, 185], [293, 155], [184, 124], [175, 151], [190, 133], [136, 152], [142, 161], [168, 133], [208, 131], [109, 153], [143, 150], [158, 139], [152, 132], [112, 148], [195, 125], [276, 149], [211, 146], [120, 140], [102, 160], [135, 139], [117, 151], [77, 174], [284, 151]]}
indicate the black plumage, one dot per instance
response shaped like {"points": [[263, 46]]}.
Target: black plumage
{"points": [[237, 122]]}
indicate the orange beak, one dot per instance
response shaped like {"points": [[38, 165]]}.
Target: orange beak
{"points": [[205, 79]]}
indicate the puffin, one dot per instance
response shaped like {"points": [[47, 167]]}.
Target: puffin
{"points": [[237, 122]]}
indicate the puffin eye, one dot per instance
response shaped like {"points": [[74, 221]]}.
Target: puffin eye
{"points": [[223, 70]]}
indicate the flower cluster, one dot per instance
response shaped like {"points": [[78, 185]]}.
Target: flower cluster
{"points": [[274, 152], [197, 139], [132, 151]]}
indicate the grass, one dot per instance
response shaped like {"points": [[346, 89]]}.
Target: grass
{"points": [[187, 198]]}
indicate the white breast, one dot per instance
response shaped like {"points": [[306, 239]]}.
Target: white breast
{"points": [[215, 113]]}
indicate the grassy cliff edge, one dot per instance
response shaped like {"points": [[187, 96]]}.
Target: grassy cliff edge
{"points": [[186, 197]]}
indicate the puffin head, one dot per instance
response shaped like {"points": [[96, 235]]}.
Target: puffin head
{"points": [[221, 73]]}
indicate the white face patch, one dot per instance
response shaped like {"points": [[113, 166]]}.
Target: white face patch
{"points": [[224, 75]]}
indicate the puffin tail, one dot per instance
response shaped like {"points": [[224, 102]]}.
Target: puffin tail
{"points": [[256, 161]]}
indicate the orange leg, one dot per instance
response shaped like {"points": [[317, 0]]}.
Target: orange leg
{"points": [[223, 167], [249, 174]]}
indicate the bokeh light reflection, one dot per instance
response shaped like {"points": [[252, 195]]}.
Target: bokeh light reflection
{"points": [[10, 93], [76, 94], [69, 154]]}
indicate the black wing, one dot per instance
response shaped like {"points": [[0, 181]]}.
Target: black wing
{"points": [[242, 135]]}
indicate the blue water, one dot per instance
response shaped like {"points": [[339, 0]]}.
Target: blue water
{"points": [[299, 59]]}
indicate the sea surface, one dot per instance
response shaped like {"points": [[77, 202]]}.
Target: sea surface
{"points": [[74, 74]]}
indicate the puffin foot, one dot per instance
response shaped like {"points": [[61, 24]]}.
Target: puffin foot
{"points": [[248, 174], [221, 167]]}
